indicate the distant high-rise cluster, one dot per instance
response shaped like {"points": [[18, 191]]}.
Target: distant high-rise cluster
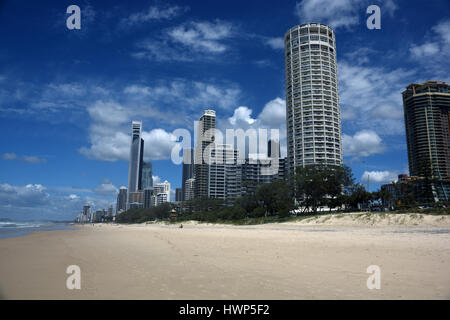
{"points": [[141, 192], [218, 171]]}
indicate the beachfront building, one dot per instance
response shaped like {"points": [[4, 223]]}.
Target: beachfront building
{"points": [[122, 197], [136, 159], [427, 123], [188, 169], [224, 173], [159, 188], [147, 178], [136, 200], [258, 170], [161, 198], [148, 198], [205, 136], [178, 194], [313, 120], [189, 189]]}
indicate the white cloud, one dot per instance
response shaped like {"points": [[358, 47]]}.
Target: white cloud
{"points": [[362, 144], [35, 201], [424, 50], [275, 43], [153, 13], [188, 94], [156, 179], [106, 189], [434, 53], [339, 13], [158, 144], [379, 176], [28, 196], [9, 156], [34, 159], [29, 159], [443, 30], [190, 41], [387, 111], [272, 116], [274, 113], [109, 134], [242, 114], [371, 96]]}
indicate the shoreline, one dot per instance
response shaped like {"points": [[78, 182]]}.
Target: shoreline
{"points": [[205, 261]]}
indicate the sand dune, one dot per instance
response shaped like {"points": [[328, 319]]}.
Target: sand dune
{"points": [[323, 259]]}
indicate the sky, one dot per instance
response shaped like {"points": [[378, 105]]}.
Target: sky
{"points": [[67, 97]]}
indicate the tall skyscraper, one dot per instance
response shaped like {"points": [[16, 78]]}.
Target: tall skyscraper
{"points": [[147, 178], [148, 196], [188, 169], [312, 103], [122, 198], [427, 122], [205, 136], [136, 158]]}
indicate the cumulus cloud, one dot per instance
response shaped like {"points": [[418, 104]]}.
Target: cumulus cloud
{"points": [[272, 116], [28, 196], [274, 113], [379, 176], [109, 135], [242, 114], [362, 144]]}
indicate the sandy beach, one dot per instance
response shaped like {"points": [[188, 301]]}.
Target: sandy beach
{"points": [[317, 258]]}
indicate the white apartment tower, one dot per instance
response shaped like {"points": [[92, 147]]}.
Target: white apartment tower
{"points": [[313, 120]]}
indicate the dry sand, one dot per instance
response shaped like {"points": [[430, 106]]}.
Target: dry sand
{"points": [[324, 258]]}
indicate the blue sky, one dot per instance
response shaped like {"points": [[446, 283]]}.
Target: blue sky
{"points": [[67, 97]]}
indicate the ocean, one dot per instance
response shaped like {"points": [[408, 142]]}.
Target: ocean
{"points": [[9, 229]]}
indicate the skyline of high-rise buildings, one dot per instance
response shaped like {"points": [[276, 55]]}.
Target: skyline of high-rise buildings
{"points": [[313, 125]]}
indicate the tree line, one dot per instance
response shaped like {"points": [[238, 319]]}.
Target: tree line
{"points": [[307, 189]]}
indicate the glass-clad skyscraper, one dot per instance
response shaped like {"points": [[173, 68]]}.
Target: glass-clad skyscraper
{"points": [[147, 179], [136, 158]]}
